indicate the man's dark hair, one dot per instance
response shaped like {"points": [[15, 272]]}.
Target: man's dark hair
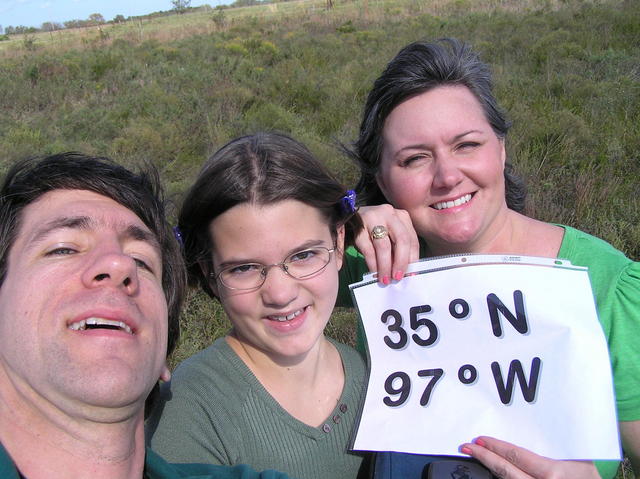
{"points": [[417, 68], [140, 192], [261, 169]]}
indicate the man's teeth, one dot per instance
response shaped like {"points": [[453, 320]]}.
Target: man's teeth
{"points": [[95, 323], [450, 204], [288, 317]]}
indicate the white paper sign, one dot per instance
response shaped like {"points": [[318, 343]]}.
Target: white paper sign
{"points": [[509, 347]]}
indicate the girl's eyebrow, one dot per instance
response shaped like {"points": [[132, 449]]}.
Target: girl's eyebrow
{"points": [[307, 244]]}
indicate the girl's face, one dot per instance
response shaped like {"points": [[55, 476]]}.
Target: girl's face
{"points": [[285, 317], [442, 162]]}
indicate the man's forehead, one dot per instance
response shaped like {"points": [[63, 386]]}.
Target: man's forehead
{"points": [[80, 209]]}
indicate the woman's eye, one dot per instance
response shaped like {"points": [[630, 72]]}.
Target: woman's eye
{"points": [[468, 145], [413, 160]]}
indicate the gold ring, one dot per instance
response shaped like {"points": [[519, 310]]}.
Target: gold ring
{"points": [[379, 232]]}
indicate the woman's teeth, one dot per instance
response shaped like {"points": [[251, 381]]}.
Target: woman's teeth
{"points": [[288, 317], [450, 204]]}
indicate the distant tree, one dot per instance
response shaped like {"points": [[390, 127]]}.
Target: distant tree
{"points": [[74, 23], [50, 26], [22, 29], [1, 31], [119, 19], [180, 6], [96, 19], [9, 30]]}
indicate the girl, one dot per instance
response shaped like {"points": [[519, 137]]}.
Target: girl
{"points": [[264, 230]]}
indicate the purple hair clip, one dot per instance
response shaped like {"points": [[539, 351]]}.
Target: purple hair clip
{"points": [[178, 234], [349, 202]]}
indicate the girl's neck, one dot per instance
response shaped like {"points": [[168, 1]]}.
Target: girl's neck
{"points": [[308, 387]]}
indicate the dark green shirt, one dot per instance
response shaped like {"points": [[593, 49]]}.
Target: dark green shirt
{"points": [[157, 468]]}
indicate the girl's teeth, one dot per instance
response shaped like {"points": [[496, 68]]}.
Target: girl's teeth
{"points": [[289, 317]]}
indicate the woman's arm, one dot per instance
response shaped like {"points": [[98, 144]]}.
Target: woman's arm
{"points": [[388, 256], [630, 433], [508, 461]]}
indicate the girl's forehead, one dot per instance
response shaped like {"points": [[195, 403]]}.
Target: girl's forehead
{"points": [[265, 230]]}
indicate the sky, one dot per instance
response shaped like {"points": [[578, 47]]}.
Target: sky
{"points": [[33, 13]]}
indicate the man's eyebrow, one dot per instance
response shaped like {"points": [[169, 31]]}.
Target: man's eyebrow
{"points": [[134, 232], [72, 222]]}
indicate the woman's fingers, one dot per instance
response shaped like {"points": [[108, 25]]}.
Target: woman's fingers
{"points": [[391, 254], [508, 461]]}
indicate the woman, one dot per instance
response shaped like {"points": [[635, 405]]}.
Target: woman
{"points": [[431, 144], [264, 229]]}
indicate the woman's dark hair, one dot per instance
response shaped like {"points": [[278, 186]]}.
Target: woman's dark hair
{"points": [[262, 169], [417, 68]]}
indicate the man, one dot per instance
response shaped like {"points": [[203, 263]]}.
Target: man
{"points": [[91, 285]]}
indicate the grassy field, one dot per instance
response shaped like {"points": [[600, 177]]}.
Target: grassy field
{"points": [[170, 90]]}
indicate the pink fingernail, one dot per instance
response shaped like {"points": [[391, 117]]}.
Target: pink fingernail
{"points": [[466, 450], [480, 442], [386, 280], [398, 275]]}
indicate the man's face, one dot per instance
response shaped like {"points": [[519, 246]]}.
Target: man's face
{"points": [[83, 316]]}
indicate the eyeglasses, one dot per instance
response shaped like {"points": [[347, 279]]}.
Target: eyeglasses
{"points": [[300, 265]]}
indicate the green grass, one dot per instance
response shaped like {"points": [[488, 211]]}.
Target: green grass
{"points": [[171, 90]]}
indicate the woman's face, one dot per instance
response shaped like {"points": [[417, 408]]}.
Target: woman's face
{"points": [[285, 317], [442, 162]]}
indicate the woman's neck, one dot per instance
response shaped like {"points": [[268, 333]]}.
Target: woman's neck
{"points": [[515, 234]]}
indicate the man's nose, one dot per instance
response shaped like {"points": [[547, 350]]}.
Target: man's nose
{"points": [[112, 268]]}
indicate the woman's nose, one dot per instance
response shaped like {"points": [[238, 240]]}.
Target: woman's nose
{"points": [[447, 173]]}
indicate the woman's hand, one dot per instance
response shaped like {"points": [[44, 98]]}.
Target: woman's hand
{"points": [[507, 461], [387, 256]]}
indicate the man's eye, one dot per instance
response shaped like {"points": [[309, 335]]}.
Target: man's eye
{"points": [[61, 251], [142, 264], [244, 269]]}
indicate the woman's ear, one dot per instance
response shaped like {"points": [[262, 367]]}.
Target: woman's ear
{"points": [[503, 152], [381, 184], [339, 246]]}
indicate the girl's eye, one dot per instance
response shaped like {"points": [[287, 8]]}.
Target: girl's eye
{"points": [[244, 269], [305, 255]]}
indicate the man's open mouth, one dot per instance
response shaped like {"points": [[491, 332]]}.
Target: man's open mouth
{"points": [[100, 323]]}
